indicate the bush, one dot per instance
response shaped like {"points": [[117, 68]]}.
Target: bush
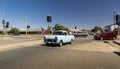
{"points": [[14, 31], [60, 27]]}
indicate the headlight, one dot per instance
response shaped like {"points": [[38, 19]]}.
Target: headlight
{"points": [[44, 38], [56, 39]]}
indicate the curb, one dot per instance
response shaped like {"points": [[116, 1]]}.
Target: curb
{"points": [[113, 42], [116, 42], [105, 41]]}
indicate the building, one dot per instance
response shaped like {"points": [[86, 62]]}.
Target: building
{"points": [[74, 30], [110, 28]]}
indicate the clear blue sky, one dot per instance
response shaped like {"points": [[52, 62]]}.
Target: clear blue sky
{"points": [[85, 14]]}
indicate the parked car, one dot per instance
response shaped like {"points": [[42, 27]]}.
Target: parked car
{"points": [[92, 33], [83, 34], [105, 36], [59, 37]]}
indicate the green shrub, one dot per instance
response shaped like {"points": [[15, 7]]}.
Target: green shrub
{"points": [[14, 31]]}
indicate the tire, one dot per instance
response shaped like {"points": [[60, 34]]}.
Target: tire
{"points": [[113, 38], [71, 42], [47, 44], [60, 43], [101, 38]]}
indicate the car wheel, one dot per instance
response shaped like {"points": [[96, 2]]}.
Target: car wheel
{"points": [[71, 42], [113, 38], [47, 44], [101, 38], [60, 43]]}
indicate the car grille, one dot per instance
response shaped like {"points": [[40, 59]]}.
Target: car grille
{"points": [[49, 40]]}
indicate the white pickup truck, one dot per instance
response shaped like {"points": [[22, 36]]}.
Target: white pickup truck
{"points": [[59, 37]]}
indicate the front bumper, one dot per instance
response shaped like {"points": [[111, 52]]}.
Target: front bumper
{"points": [[50, 41], [97, 37]]}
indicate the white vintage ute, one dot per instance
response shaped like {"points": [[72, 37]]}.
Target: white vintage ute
{"points": [[59, 37]]}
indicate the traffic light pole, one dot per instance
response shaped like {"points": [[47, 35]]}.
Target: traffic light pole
{"points": [[49, 19], [114, 21], [117, 22], [26, 24], [48, 27]]}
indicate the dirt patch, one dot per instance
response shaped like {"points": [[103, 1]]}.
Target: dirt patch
{"points": [[97, 46], [5, 47], [6, 38]]}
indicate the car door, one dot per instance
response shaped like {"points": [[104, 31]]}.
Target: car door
{"points": [[68, 39], [108, 36], [64, 37], [105, 36], [112, 35]]}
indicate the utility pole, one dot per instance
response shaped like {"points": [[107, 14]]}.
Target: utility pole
{"points": [[26, 24]]}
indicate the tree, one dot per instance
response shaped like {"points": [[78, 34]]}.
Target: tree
{"points": [[14, 31], [95, 29], [60, 27]]}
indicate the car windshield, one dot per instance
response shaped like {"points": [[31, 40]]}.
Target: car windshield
{"points": [[58, 33]]}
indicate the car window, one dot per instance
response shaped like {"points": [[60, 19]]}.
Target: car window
{"points": [[58, 33]]}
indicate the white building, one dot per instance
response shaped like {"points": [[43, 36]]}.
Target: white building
{"points": [[75, 30], [110, 28]]}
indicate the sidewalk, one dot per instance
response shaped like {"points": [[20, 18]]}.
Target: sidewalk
{"points": [[117, 41], [95, 46]]}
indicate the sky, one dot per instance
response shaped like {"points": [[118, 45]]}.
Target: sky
{"points": [[84, 14]]}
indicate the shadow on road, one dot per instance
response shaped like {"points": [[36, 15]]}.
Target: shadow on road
{"points": [[48, 45], [118, 53]]}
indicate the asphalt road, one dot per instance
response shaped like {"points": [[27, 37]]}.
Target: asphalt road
{"points": [[50, 57]]}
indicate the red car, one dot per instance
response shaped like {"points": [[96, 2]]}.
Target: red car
{"points": [[105, 36]]}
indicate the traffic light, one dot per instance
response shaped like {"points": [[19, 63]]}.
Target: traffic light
{"points": [[28, 26], [7, 25], [117, 17], [49, 19], [75, 27]]}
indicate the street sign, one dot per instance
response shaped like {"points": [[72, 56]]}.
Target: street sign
{"points": [[28, 26]]}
